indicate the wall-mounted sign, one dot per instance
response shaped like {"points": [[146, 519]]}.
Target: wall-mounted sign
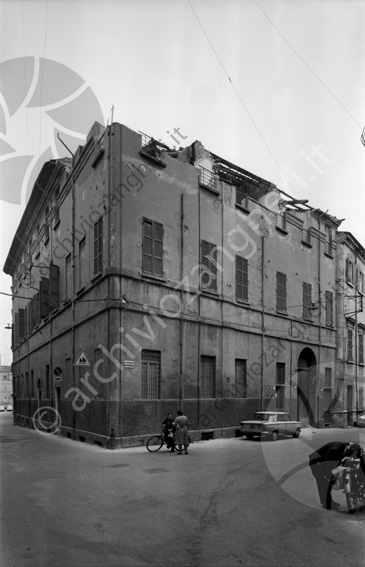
{"points": [[82, 360], [129, 364]]}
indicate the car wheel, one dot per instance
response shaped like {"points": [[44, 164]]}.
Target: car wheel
{"points": [[296, 433], [274, 435], [249, 437]]}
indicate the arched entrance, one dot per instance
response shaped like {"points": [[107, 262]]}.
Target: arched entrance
{"points": [[306, 386]]}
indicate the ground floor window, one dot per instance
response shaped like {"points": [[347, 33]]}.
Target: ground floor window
{"points": [[280, 385], [241, 378], [207, 377], [151, 374]]}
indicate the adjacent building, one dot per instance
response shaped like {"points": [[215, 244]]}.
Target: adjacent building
{"points": [[147, 279], [6, 386]]}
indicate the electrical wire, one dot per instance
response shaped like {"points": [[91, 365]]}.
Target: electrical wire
{"points": [[306, 64], [241, 99]]}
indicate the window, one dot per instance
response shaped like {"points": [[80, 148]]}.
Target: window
{"points": [[22, 324], [329, 241], [328, 377], [280, 292], [349, 271], [54, 286], [361, 399], [361, 347], [207, 377], [280, 385], [358, 279], [44, 297], [82, 263], [32, 383], [151, 375], [98, 246], [68, 278], [152, 248], [349, 344], [329, 307], [241, 197], [46, 232], [241, 378], [307, 301], [306, 236], [48, 383], [281, 221], [327, 394], [241, 278], [208, 274]]}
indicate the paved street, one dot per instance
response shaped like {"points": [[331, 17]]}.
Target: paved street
{"points": [[228, 503]]}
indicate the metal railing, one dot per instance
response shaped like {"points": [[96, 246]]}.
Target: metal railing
{"points": [[206, 178]]}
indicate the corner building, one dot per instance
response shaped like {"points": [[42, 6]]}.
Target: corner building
{"points": [[147, 279]]}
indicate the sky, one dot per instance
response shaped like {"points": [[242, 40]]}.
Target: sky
{"points": [[274, 86]]}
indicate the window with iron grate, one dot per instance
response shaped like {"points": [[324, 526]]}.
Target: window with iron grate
{"points": [[151, 375], [207, 377]]}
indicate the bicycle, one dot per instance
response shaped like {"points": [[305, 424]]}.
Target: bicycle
{"points": [[156, 442]]}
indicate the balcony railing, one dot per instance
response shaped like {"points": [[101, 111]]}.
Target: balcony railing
{"points": [[207, 178], [306, 236], [281, 221]]}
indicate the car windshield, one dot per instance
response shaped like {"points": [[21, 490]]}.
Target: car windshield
{"points": [[264, 417]]}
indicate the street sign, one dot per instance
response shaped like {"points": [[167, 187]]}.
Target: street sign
{"points": [[57, 371], [82, 360], [129, 364]]}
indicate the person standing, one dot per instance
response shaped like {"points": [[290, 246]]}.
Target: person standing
{"points": [[182, 432], [323, 461], [168, 428]]}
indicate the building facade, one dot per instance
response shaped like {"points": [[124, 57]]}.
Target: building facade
{"points": [[6, 386], [146, 280], [348, 401]]}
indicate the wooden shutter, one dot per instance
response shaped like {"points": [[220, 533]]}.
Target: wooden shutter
{"points": [[98, 246], [307, 300], [208, 277], [44, 297], [280, 291], [54, 287], [329, 308], [21, 323], [157, 248], [152, 247], [241, 278]]}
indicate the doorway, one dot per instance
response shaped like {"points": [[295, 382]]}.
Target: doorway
{"points": [[306, 387]]}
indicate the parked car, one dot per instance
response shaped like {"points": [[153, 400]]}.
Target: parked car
{"points": [[272, 424], [2, 408], [360, 422], [9, 407]]}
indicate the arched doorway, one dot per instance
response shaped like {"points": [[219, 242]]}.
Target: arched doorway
{"points": [[306, 386]]}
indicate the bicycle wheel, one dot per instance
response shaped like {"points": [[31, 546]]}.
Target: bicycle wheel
{"points": [[154, 443]]}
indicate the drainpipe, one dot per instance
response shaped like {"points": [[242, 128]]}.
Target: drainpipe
{"points": [[181, 382], [356, 345], [319, 317], [199, 309], [262, 316], [73, 290]]}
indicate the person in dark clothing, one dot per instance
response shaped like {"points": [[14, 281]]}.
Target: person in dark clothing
{"points": [[324, 460], [168, 429]]}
